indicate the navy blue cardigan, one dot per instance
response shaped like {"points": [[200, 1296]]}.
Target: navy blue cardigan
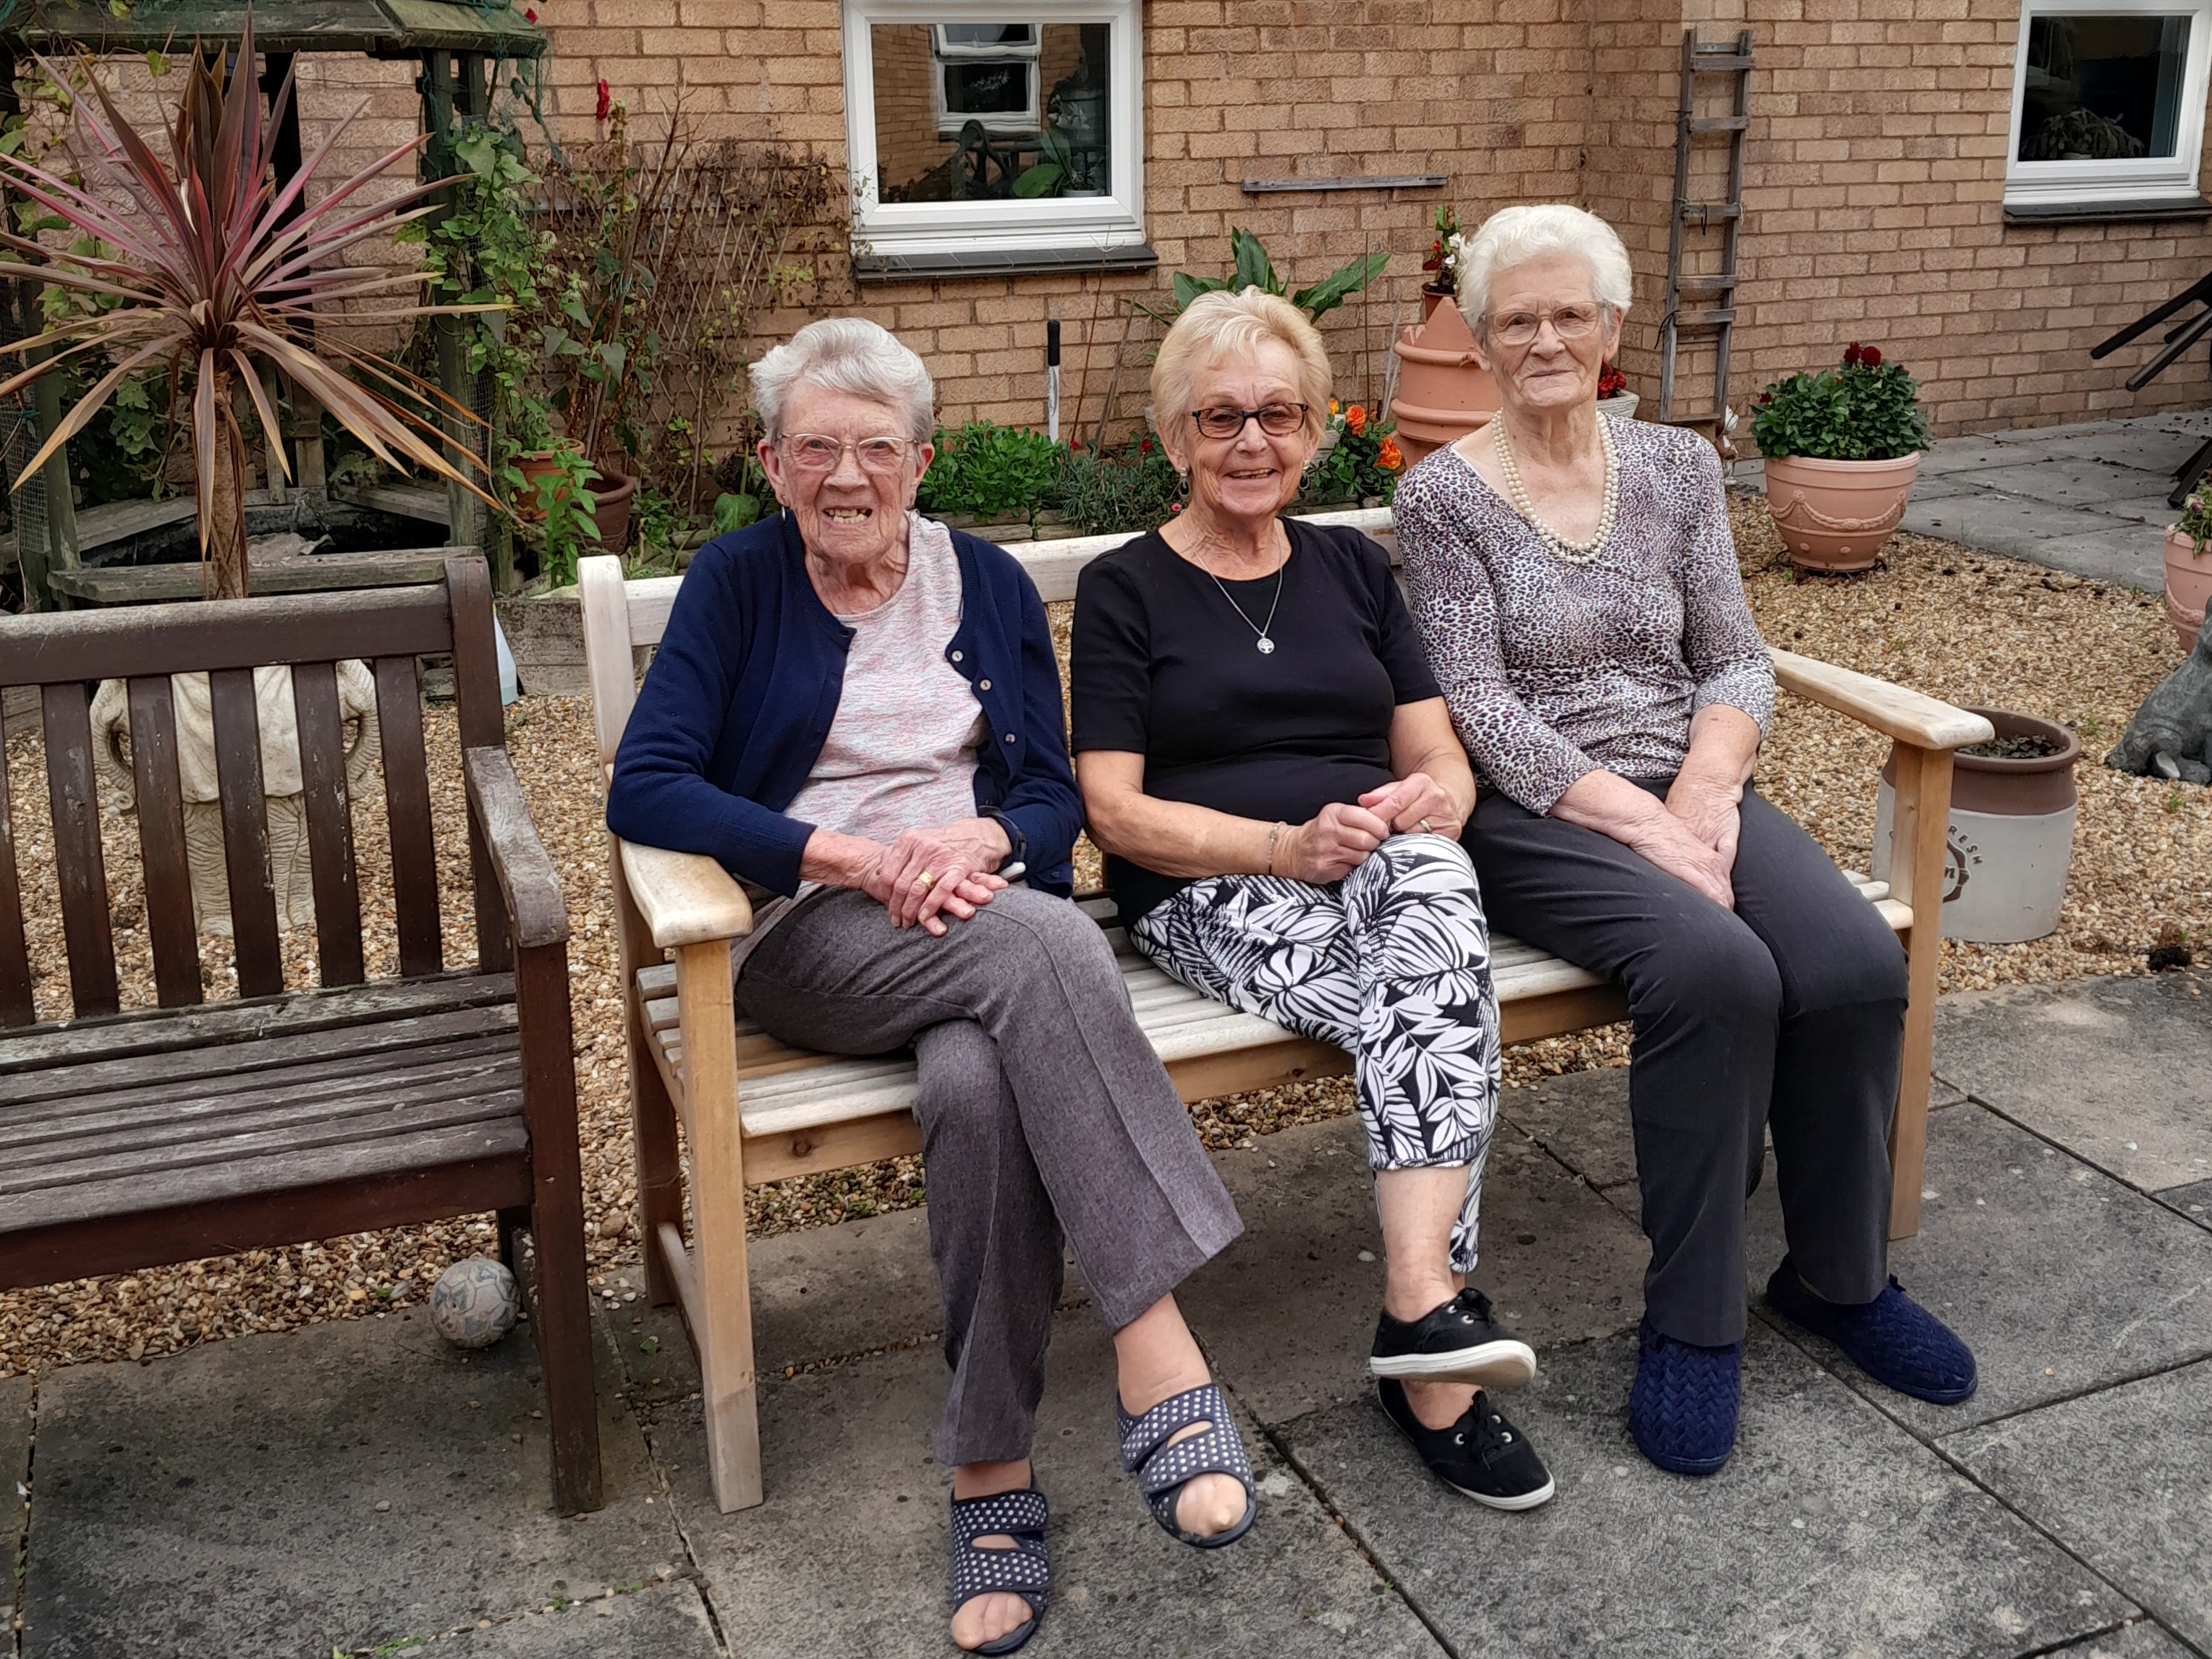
{"points": [[737, 706]]}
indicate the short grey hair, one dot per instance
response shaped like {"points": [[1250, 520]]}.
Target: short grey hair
{"points": [[1513, 234], [850, 354]]}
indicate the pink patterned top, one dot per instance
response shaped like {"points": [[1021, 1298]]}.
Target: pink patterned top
{"points": [[1553, 670]]}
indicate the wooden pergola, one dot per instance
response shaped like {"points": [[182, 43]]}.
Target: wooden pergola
{"points": [[460, 45]]}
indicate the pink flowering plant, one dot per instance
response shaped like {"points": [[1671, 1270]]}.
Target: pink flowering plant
{"points": [[1866, 410]]}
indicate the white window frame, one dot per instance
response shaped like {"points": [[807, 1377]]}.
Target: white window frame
{"points": [[1053, 224], [2131, 181]]}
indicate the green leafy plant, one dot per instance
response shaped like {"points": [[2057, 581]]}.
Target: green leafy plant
{"points": [[1865, 410], [1131, 486], [1363, 465], [995, 472], [2196, 521], [565, 513], [1252, 267], [199, 265]]}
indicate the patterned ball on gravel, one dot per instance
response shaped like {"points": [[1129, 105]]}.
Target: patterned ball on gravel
{"points": [[472, 1304]]}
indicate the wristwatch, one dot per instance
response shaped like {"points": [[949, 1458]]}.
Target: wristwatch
{"points": [[1017, 844]]}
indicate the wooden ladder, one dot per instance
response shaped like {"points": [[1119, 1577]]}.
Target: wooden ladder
{"points": [[1701, 303]]}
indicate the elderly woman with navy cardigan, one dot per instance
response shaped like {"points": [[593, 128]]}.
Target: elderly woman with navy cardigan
{"points": [[857, 712]]}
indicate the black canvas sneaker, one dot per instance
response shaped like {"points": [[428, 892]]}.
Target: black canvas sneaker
{"points": [[1455, 1343], [1482, 1457]]}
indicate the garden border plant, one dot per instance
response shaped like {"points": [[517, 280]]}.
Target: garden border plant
{"points": [[1842, 448]]}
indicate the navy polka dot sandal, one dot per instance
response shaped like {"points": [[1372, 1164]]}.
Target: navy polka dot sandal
{"points": [[1021, 1571], [1162, 1469]]}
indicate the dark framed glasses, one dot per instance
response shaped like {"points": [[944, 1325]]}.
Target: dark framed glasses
{"points": [[1276, 420]]}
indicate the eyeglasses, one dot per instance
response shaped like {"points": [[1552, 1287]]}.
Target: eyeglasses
{"points": [[1276, 420], [1521, 328], [812, 452]]}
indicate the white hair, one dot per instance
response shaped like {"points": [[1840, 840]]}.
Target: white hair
{"points": [[1513, 234], [850, 354]]}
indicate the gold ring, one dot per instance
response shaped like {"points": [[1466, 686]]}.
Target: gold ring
{"points": [[924, 879], [1425, 828]]}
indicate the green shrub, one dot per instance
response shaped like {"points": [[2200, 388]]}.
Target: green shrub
{"points": [[1363, 463], [1134, 487], [1866, 410], [995, 472]]}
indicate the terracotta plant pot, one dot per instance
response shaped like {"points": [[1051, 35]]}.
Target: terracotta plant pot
{"points": [[1431, 297], [533, 466], [2011, 836], [1443, 393], [2187, 586], [1836, 515], [610, 497]]}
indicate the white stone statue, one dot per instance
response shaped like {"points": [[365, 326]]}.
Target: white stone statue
{"points": [[281, 780]]}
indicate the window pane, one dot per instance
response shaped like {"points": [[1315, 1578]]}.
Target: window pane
{"points": [[2102, 88], [991, 111]]}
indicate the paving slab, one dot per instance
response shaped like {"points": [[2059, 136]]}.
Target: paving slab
{"points": [[2194, 1202], [2140, 1640], [345, 1485], [2110, 1068], [1288, 1310], [2146, 449], [2124, 552], [2003, 524], [661, 1621], [2060, 1279], [2123, 1480], [1831, 1531], [848, 1554], [1977, 454], [2149, 507], [2072, 481]]}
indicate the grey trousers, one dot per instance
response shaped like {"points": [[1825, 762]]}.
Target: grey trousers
{"points": [[1044, 1113], [1786, 1013]]}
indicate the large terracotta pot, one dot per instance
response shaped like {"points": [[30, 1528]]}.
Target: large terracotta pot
{"points": [[1443, 393], [1836, 515], [2010, 839], [2187, 586]]}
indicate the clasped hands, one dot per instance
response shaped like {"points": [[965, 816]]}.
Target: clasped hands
{"points": [[924, 876], [1694, 838], [1336, 841]]}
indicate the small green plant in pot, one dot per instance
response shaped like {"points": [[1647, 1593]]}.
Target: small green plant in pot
{"points": [[1842, 448]]}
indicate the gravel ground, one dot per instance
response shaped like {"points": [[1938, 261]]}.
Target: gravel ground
{"points": [[1961, 625]]}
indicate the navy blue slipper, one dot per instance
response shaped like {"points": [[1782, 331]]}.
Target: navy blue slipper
{"points": [[1893, 1339], [1682, 1409]]}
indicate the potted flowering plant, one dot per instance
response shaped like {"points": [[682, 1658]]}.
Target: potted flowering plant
{"points": [[1359, 464], [1842, 448], [1442, 262], [2189, 569], [1614, 396]]}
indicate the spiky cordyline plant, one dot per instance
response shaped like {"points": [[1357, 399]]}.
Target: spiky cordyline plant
{"points": [[203, 270]]}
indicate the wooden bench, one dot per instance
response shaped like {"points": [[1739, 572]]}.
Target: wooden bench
{"points": [[133, 1139], [753, 1110]]}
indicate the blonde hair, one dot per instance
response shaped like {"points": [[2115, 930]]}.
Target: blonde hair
{"points": [[1512, 234], [1221, 324]]}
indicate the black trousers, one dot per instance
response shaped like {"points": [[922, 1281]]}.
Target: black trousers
{"points": [[1787, 1013]]}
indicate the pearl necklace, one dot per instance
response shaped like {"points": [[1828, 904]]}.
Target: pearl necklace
{"points": [[1557, 546]]}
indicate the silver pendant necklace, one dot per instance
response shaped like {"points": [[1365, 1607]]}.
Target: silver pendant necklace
{"points": [[1267, 646]]}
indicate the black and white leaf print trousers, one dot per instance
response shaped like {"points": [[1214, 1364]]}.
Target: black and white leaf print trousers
{"points": [[1392, 962]]}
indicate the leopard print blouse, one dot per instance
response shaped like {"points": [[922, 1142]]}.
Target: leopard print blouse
{"points": [[1552, 669]]}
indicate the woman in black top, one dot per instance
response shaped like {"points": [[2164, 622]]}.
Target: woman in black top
{"points": [[1271, 770]]}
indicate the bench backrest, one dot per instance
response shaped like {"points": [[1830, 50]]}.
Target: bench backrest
{"points": [[66, 655], [621, 617]]}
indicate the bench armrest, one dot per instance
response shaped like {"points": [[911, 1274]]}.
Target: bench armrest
{"points": [[685, 898], [1909, 717], [527, 879]]}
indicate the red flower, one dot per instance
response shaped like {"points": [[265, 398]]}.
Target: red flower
{"points": [[1766, 397], [1870, 357], [530, 13], [606, 103], [1144, 446], [1852, 353]]}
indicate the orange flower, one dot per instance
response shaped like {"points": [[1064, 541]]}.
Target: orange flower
{"points": [[1388, 458], [1355, 419], [1335, 407]]}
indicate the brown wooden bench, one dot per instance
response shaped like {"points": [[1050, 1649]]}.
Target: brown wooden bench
{"points": [[129, 1139], [753, 1110]]}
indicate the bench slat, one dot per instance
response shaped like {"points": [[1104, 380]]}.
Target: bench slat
{"points": [[156, 1031], [286, 1166]]}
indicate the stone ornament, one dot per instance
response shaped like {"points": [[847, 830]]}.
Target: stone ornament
{"points": [[2170, 736], [281, 780], [473, 1304]]}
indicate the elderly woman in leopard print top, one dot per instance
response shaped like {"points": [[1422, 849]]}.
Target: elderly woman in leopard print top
{"points": [[1575, 584]]}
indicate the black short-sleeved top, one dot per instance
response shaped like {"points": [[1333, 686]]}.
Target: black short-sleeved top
{"points": [[1164, 667]]}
